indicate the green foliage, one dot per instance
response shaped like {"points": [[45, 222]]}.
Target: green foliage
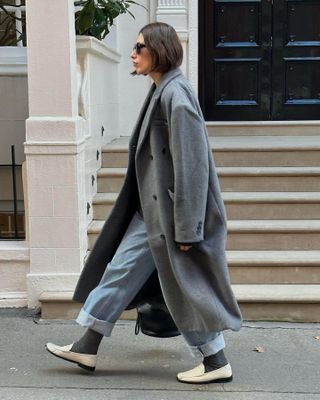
{"points": [[96, 16]]}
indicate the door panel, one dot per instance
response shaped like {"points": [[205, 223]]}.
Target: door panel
{"points": [[296, 60], [235, 58], [244, 31], [259, 60], [232, 91], [303, 20]]}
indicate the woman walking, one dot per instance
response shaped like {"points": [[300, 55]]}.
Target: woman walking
{"points": [[169, 216]]}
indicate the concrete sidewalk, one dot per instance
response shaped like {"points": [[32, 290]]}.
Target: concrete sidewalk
{"points": [[144, 368]]}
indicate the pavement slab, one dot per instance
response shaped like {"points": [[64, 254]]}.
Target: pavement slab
{"points": [[141, 367]]}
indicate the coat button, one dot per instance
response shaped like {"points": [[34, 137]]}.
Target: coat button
{"points": [[155, 197], [164, 150], [151, 157], [162, 237]]}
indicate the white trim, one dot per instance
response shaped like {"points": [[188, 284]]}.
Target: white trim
{"points": [[88, 44], [172, 3], [13, 60], [13, 299], [183, 35], [13, 69], [193, 26], [56, 147], [171, 10], [72, 130], [14, 250]]}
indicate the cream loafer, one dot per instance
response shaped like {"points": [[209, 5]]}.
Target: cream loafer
{"points": [[86, 361], [198, 375]]}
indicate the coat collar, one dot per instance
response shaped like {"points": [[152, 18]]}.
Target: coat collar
{"points": [[147, 111], [166, 78]]}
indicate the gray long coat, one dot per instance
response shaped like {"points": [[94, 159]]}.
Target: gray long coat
{"points": [[171, 169]]}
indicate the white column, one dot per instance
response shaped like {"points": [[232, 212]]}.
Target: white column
{"points": [[175, 13], [54, 150], [193, 43]]}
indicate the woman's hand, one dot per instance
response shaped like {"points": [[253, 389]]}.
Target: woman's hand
{"points": [[183, 247]]}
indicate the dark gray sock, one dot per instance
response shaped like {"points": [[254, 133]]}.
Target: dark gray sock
{"points": [[88, 343], [215, 361]]}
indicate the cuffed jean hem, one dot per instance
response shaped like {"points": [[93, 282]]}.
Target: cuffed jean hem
{"points": [[207, 349], [87, 320]]}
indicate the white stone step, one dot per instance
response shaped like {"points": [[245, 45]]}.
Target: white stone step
{"points": [[238, 179], [274, 267], [102, 205], [296, 303], [258, 234], [273, 235], [254, 128], [293, 303], [110, 179], [244, 205], [272, 205], [273, 179], [239, 151], [59, 305], [277, 293]]}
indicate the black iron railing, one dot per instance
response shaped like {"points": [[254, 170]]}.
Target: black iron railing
{"points": [[12, 216]]}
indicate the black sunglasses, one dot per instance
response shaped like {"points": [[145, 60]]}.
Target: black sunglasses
{"points": [[138, 46]]}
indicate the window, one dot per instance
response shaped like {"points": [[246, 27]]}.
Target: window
{"points": [[13, 23], [12, 215]]}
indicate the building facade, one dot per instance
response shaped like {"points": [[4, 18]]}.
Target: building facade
{"points": [[70, 103]]}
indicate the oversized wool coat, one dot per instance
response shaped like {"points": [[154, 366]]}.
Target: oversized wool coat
{"points": [[171, 170]]}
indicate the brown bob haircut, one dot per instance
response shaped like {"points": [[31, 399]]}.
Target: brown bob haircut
{"points": [[164, 46]]}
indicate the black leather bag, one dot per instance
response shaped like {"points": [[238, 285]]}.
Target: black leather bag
{"points": [[155, 321], [153, 316]]}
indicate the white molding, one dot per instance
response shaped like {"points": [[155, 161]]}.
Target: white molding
{"points": [[13, 299], [172, 3], [91, 45], [51, 129], [40, 283], [183, 35], [13, 69], [13, 61], [56, 147], [14, 250], [172, 10], [56, 295], [193, 48]]}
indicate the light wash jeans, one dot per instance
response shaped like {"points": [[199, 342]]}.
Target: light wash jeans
{"points": [[128, 270]]}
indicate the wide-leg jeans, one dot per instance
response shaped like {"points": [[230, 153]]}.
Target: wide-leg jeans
{"points": [[126, 273]]}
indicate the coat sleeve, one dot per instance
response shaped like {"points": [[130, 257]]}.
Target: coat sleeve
{"points": [[189, 151]]}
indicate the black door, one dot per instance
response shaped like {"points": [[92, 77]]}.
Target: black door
{"points": [[259, 60]]}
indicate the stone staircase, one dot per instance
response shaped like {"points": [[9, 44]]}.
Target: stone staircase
{"points": [[271, 188]]}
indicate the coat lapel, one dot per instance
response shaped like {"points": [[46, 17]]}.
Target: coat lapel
{"points": [[137, 126], [146, 113]]}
